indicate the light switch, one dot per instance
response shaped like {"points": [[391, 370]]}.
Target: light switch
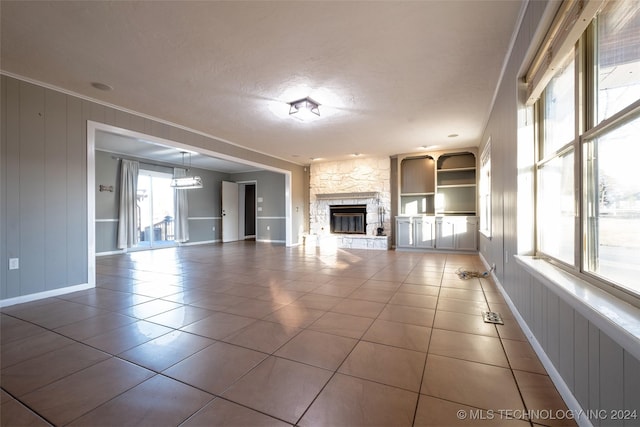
{"points": [[14, 263]]}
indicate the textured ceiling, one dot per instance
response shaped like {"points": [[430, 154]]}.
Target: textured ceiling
{"points": [[390, 76]]}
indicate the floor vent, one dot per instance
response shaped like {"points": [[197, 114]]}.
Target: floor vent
{"points": [[492, 317]]}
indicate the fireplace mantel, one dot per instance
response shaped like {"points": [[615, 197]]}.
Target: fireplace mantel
{"points": [[343, 196]]}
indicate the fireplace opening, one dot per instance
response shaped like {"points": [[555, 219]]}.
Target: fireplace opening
{"points": [[348, 219]]}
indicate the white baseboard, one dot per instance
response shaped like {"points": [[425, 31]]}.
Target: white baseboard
{"points": [[118, 252], [567, 395], [46, 294], [204, 242], [269, 241]]}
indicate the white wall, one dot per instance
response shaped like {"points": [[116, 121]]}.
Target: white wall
{"points": [[358, 175]]}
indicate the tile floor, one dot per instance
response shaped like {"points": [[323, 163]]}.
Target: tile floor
{"points": [[247, 333]]}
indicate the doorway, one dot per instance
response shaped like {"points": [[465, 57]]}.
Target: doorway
{"points": [[247, 211], [238, 211], [155, 204]]}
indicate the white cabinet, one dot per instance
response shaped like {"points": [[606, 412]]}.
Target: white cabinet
{"points": [[404, 232], [445, 233], [424, 232], [415, 232], [457, 233], [437, 197], [467, 238], [430, 232]]}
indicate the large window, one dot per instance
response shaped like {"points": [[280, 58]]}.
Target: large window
{"points": [[589, 153], [155, 206], [612, 209], [556, 195]]}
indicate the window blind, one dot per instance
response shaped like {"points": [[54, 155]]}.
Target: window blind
{"points": [[571, 20]]}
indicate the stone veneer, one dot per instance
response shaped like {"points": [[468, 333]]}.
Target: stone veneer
{"points": [[351, 182]]}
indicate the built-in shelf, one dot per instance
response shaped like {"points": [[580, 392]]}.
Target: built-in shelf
{"points": [[456, 170], [417, 194], [437, 185], [456, 185], [417, 185], [465, 213]]}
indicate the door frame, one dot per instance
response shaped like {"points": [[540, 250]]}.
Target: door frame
{"points": [[152, 241], [241, 211]]}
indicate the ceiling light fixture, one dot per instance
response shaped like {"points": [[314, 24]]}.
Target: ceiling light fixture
{"points": [[304, 109], [102, 86], [186, 182]]}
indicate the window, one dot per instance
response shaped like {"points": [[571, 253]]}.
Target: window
{"points": [[556, 196], [559, 110], [588, 152], [556, 208], [155, 210], [612, 208], [485, 190], [618, 58]]}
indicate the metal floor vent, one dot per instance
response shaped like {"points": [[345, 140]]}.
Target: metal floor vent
{"points": [[492, 317]]}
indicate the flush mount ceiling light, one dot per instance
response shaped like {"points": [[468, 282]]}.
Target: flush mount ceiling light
{"points": [[186, 182], [304, 109], [102, 86]]}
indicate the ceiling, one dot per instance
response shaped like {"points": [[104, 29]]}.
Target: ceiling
{"points": [[391, 76], [162, 152]]}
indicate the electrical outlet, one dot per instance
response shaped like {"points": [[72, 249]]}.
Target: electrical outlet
{"points": [[14, 263], [214, 229]]}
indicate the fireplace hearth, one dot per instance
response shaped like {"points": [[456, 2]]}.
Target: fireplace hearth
{"points": [[348, 219]]}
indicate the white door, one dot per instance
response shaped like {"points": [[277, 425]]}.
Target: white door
{"points": [[229, 211]]}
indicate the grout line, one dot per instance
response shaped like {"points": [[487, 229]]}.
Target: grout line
{"points": [[283, 274]]}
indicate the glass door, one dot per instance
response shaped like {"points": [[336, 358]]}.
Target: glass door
{"points": [[155, 210]]}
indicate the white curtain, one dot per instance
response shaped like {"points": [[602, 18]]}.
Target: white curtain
{"points": [[182, 209], [128, 213]]}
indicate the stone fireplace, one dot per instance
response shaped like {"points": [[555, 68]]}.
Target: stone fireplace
{"points": [[353, 195]]}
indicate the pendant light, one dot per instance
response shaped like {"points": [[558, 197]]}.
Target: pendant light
{"points": [[186, 182]]}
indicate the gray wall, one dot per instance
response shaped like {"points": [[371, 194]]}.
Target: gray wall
{"points": [[205, 207], [271, 219], [44, 189], [107, 172], [204, 203], [44, 182], [600, 373]]}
